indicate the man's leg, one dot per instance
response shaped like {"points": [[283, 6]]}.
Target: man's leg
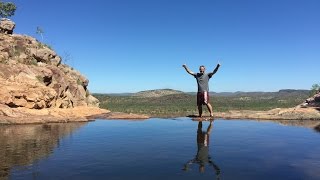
{"points": [[200, 110], [210, 109]]}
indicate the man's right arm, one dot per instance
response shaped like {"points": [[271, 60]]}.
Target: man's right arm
{"points": [[188, 70]]}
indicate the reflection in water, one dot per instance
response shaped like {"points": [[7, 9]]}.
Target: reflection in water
{"points": [[317, 128], [22, 145], [315, 124], [202, 158], [301, 123]]}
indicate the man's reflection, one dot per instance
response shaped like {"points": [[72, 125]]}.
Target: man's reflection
{"points": [[202, 158]]}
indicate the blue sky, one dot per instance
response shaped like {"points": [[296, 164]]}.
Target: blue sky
{"points": [[134, 45]]}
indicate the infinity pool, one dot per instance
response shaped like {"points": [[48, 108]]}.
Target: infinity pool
{"points": [[161, 149]]}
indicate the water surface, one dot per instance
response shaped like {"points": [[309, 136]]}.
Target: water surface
{"points": [[161, 149]]}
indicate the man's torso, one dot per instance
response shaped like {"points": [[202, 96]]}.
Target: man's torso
{"points": [[202, 81]]}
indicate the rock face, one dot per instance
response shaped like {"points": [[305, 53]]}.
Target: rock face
{"points": [[6, 26], [33, 77], [313, 101]]}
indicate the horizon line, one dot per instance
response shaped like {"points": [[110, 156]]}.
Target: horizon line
{"points": [[196, 91]]}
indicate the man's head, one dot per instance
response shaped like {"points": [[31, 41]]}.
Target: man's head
{"points": [[202, 69]]}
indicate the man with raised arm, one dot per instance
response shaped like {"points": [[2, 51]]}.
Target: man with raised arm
{"points": [[203, 87]]}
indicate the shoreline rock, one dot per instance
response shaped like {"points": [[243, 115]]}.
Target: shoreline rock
{"points": [[58, 115], [53, 115], [274, 114], [84, 114], [120, 116]]}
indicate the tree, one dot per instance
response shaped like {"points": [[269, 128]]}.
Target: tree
{"points": [[66, 57], [40, 31], [7, 9], [314, 89]]}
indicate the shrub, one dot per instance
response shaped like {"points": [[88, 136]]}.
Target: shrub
{"points": [[7, 9]]}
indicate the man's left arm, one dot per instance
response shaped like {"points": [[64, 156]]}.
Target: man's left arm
{"points": [[215, 70]]}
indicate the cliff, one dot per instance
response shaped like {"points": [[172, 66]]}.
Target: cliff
{"points": [[34, 82]]}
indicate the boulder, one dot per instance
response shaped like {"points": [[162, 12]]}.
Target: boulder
{"points": [[6, 26], [313, 101], [46, 55], [92, 101]]}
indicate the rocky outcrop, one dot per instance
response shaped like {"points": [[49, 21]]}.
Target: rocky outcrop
{"points": [[33, 77], [6, 26], [314, 101]]}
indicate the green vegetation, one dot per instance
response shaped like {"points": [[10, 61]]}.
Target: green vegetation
{"points": [[79, 82], [185, 104], [40, 31], [33, 61], [42, 45], [66, 57], [314, 89], [7, 9], [40, 78]]}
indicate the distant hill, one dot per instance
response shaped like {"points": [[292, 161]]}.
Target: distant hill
{"points": [[163, 92], [112, 94], [173, 103], [157, 93], [282, 92]]}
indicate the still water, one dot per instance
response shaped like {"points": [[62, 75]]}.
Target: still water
{"points": [[161, 149]]}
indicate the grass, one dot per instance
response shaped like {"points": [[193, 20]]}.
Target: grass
{"points": [[185, 104], [40, 78], [42, 45]]}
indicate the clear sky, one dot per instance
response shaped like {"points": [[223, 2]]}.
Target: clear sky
{"points": [[134, 45]]}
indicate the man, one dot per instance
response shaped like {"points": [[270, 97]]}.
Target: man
{"points": [[203, 87]]}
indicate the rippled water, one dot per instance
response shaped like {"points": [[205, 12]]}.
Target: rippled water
{"points": [[161, 149]]}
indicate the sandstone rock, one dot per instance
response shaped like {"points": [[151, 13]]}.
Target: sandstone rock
{"points": [[314, 101], [28, 116], [120, 115], [7, 111], [44, 55], [317, 97], [56, 61], [33, 78], [41, 87], [92, 101], [274, 114], [7, 26]]}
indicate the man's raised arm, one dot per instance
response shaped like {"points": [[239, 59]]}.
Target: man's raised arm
{"points": [[215, 70], [188, 70]]}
